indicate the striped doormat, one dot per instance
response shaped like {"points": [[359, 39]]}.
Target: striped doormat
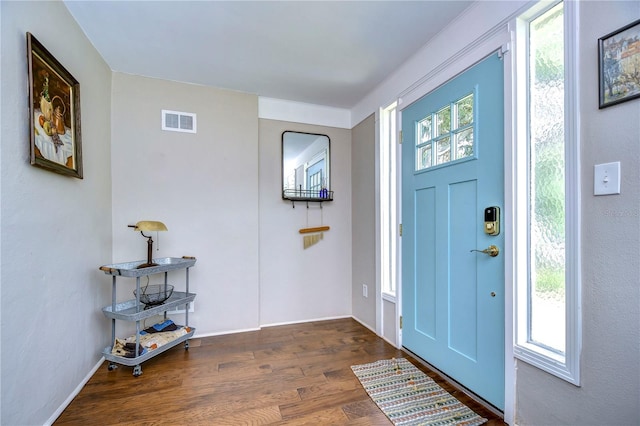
{"points": [[409, 397]]}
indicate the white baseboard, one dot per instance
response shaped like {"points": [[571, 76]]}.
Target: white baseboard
{"points": [[305, 321], [234, 331], [222, 333]]}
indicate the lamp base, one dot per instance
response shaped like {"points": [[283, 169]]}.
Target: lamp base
{"points": [[150, 261]]}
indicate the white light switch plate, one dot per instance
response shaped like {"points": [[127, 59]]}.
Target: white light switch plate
{"points": [[606, 179]]}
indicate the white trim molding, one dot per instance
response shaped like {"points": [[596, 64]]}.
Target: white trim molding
{"points": [[299, 112]]}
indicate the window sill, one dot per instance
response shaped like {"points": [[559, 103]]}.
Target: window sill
{"points": [[389, 297], [548, 361]]}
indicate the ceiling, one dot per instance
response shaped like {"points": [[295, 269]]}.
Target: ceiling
{"points": [[322, 52]]}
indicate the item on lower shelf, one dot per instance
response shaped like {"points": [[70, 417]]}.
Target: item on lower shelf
{"points": [[148, 341], [127, 350]]}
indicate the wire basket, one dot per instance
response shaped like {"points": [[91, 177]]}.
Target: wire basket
{"points": [[154, 294]]}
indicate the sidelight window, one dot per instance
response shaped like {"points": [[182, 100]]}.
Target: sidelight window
{"points": [[547, 199], [388, 184]]}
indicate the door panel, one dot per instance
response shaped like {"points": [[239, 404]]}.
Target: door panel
{"points": [[426, 252], [453, 299], [463, 297]]}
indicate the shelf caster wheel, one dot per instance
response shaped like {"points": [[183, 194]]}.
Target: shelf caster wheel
{"points": [[186, 345], [112, 366], [137, 370]]}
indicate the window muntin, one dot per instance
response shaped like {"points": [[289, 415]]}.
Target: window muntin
{"points": [[446, 134]]}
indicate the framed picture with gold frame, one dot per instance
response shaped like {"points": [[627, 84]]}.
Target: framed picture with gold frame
{"points": [[54, 113]]}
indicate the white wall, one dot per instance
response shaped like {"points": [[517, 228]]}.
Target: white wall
{"points": [[203, 186], [56, 230], [212, 193], [363, 175], [297, 284], [610, 391]]}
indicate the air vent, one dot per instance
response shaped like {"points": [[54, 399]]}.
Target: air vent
{"points": [[176, 121]]}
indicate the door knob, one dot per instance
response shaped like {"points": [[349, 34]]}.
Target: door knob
{"points": [[492, 251]]}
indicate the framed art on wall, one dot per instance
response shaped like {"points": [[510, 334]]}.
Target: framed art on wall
{"points": [[619, 65], [54, 113]]}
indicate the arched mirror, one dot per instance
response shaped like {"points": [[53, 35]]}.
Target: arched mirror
{"points": [[306, 165]]}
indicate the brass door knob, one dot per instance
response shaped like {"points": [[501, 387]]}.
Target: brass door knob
{"points": [[492, 251]]}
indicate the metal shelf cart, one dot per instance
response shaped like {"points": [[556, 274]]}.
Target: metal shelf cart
{"points": [[134, 310]]}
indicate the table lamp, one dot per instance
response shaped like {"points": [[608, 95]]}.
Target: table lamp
{"points": [[148, 226]]}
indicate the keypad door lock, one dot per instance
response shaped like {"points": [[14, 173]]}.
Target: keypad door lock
{"points": [[492, 220]]}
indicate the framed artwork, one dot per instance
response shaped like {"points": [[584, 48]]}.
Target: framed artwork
{"points": [[619, 65], [54, 113]]}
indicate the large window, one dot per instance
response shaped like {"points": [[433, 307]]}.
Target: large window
{"points": [[548, 285]]}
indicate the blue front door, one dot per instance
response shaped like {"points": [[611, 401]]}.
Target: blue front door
{"points": [[452, 170]]}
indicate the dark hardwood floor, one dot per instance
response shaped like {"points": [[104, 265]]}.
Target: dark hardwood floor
{"points": [[286, 375]]}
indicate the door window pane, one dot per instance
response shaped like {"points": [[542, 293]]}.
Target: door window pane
{"points": [[464, 143], [424, 157], [425, 130], [464, 110], [443, 120], [444, 150]]}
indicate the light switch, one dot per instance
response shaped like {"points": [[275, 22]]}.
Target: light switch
{"points": [[606, 179]]}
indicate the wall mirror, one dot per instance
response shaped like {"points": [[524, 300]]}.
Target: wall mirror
{"points": [[306, 166]]}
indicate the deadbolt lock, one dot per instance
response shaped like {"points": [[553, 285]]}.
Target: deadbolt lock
{"points": [[492, 220]]}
